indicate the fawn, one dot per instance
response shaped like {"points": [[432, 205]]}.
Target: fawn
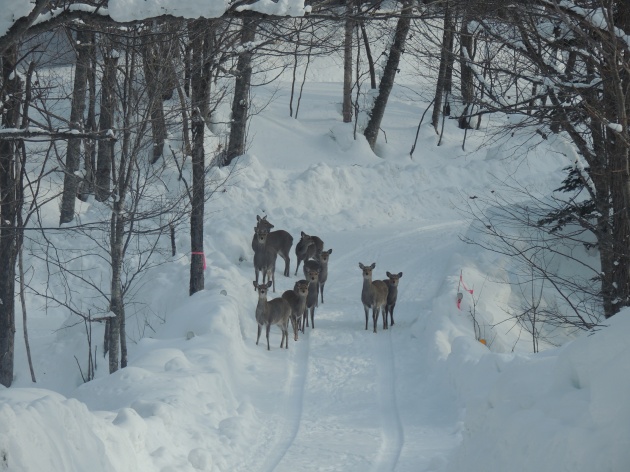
{"points": [[392, 295]]}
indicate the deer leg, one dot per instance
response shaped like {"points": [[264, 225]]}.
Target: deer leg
{"points": [[258, 337], [391, 315], [321, 288], [374, 317], [306, 315], [384, 317], [268, 329], [366, 316], [312, 317], [287, 262]]}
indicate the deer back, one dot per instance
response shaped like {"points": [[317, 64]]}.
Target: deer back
{"points": [[279, 311]]}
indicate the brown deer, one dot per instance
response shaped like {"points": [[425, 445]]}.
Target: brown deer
{"points": [[373, 295], [264, 257], [297, 300], [308, 247], [280, 241], [392, 296], [324, 256], [272, 312], [311, 299]]}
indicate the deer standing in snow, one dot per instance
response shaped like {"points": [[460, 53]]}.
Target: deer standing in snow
{"points": [[373, 295], [308, 247], [272, 312], [392, 296], [280, 241]]}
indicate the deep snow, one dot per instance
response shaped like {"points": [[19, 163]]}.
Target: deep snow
{"points": [[425, 395]]}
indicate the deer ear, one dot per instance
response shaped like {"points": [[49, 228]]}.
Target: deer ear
{"points": [[257, 217], [361, 266], [373, 265], [302, 233], [269, 283], [399, 274], [329, 251]]}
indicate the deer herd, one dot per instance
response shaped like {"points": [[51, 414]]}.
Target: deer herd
{"points": [[295, 305]]}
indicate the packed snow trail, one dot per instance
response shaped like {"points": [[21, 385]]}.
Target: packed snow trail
{"points": [[346, 397]]}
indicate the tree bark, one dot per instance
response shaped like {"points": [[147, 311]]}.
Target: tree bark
{"points": [[86, 186], [240, 103], [155, 74], [346, 108], [200, 84], [77, 110], [467, 84], [11, 89], [443, 86], [389, 74], [368, 54], [105, 155]]}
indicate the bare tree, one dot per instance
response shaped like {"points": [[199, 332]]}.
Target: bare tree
{"points": [[240, 101], [77, 111], [391, 68]]}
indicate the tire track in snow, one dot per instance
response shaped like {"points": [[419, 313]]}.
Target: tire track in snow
{"points": [[392, 433], [291, 403]]}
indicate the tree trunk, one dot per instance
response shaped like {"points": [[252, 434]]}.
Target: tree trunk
{"points": [[86, 186], [116, 299], [240, 103], [467, 84], [155, 76], [105, 155], [11, 88], [443, 86], [368, 54], [346, 109], [77, 110], [391, 68], [200, 84], [197, 281]]}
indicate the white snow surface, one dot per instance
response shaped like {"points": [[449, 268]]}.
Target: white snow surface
{"points": [[424, 395]]}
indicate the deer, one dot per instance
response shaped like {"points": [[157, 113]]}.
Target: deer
{"points": [[280, 241], [392, 295], [311, 299], [264, 257], [310, 265], [308, 247], [272, 312], [373, 295], [297, 300], [323, 272]]}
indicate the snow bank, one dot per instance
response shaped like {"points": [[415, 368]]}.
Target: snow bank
{"points": [[564, 409]]}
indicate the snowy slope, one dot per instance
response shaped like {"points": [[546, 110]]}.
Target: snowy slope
{"points": [[424, 395]]}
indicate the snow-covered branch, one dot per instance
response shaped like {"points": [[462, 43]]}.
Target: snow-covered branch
{"points": [[11, 134]]}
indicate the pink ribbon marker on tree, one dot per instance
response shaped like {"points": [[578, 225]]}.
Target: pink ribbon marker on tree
{"points": [[204, 258], [460, 295]]}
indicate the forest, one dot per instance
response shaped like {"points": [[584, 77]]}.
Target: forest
{"points": [[100, 101]]}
